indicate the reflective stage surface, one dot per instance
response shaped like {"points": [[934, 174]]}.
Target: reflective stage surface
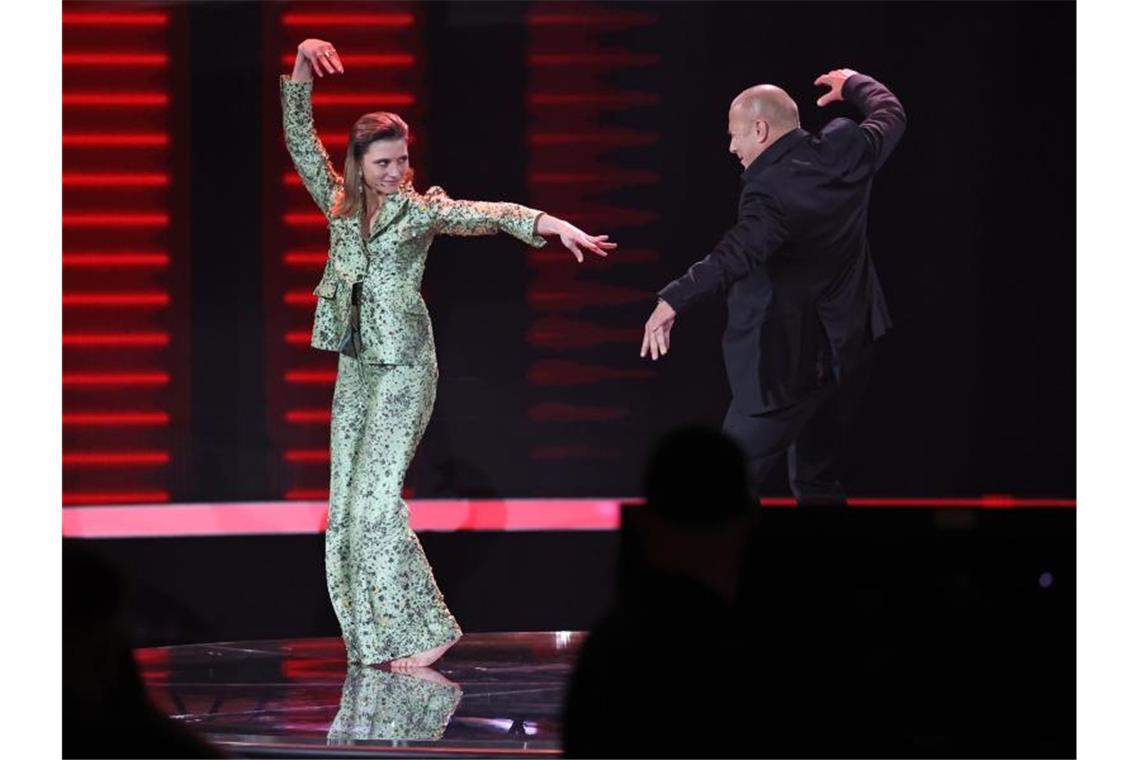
{"points": [[491, 695]]}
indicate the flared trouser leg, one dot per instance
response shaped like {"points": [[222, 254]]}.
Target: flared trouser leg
{"points": [[380, 584]]}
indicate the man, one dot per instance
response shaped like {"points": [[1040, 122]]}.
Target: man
{"points": [[804, 302]]}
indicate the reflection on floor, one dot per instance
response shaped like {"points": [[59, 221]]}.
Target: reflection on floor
{"points": [[493, 694]]}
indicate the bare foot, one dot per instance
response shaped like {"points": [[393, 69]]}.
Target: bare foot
{"points": [[422, 659]]}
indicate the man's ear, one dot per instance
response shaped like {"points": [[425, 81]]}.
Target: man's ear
{"points": [[762, 130]]}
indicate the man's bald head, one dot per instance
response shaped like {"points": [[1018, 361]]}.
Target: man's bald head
{"points": [[757, 118], [771, 103]]}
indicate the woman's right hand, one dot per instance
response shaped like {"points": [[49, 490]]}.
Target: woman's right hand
{"points": [[316, 55]]}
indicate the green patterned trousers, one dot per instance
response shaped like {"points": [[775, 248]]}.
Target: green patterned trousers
{"points": [[380, 584]]}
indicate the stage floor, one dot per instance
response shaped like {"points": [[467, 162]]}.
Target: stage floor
{"points": [[491, 695]]}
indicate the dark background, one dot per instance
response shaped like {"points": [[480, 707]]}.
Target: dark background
{"points": [[972, 232]]}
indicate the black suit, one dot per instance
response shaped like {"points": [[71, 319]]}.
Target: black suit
{"points": [[804, 302]]}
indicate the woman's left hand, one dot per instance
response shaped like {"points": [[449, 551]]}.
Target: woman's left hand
{"points": [[573, 238]]}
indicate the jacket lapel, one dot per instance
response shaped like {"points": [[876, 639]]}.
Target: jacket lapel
{"points": [[392, 210], [350, 259]]}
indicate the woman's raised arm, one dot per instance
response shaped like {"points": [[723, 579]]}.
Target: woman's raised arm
{"points": [[309, 156]]}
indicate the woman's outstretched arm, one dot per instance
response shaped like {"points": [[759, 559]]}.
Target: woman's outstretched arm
{"points": [[457, 217], [309, 156]]}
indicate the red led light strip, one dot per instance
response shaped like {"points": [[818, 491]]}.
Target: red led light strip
{"points": [[389, 60], [115, 260], [115, 59], [114, 19], [115, 340], [118, 379], [394, 20], [307, 455], [116, 299], [115, 419], [304, 219], [115, 98], [115, 140], [369, 99], [137, 179], [307, 494], [306, 258], [115, 220], [115, 458], [310, 377], [308, 416], [307, 512], [300, 298], [299, 337]]}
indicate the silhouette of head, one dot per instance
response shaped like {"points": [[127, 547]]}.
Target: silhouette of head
{"points": [[697, 476]]}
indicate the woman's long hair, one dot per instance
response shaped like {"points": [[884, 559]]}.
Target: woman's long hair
{"points": [[369, 128]]}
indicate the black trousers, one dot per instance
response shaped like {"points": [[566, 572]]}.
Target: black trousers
{"points": [[810, 431]]}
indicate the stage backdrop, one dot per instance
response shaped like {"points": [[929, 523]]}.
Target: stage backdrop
{"points": [[191, 251]]}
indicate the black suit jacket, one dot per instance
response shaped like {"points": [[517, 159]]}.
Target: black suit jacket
{"points": [[803, 296]]}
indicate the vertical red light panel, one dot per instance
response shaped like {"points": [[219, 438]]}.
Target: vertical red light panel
{"points": [[125, 264], [591, 142]]}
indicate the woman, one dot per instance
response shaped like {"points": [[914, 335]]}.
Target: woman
{"points": [[370, 310]]}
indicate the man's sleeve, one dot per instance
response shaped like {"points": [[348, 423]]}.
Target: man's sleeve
{"points": [[759, 233], [884, 118]]}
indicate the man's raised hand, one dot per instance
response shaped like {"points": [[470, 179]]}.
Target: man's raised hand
{"points": [[833, 80]]}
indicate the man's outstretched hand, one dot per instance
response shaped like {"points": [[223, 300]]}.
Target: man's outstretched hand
{"points": [[833, 80], [656, 340]]}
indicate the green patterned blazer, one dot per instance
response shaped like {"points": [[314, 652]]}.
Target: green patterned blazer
{"points": [[394, 323]]}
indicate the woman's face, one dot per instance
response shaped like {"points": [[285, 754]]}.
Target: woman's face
{"points": [[384, 164]]}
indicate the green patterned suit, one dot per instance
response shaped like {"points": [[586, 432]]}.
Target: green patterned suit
{"points": [[379, 581]]}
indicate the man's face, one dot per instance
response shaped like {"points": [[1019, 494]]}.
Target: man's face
{"points": [[746, 135], [385, 163]]}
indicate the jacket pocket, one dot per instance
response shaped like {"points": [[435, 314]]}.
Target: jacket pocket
{"points": [[326, 288]]}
